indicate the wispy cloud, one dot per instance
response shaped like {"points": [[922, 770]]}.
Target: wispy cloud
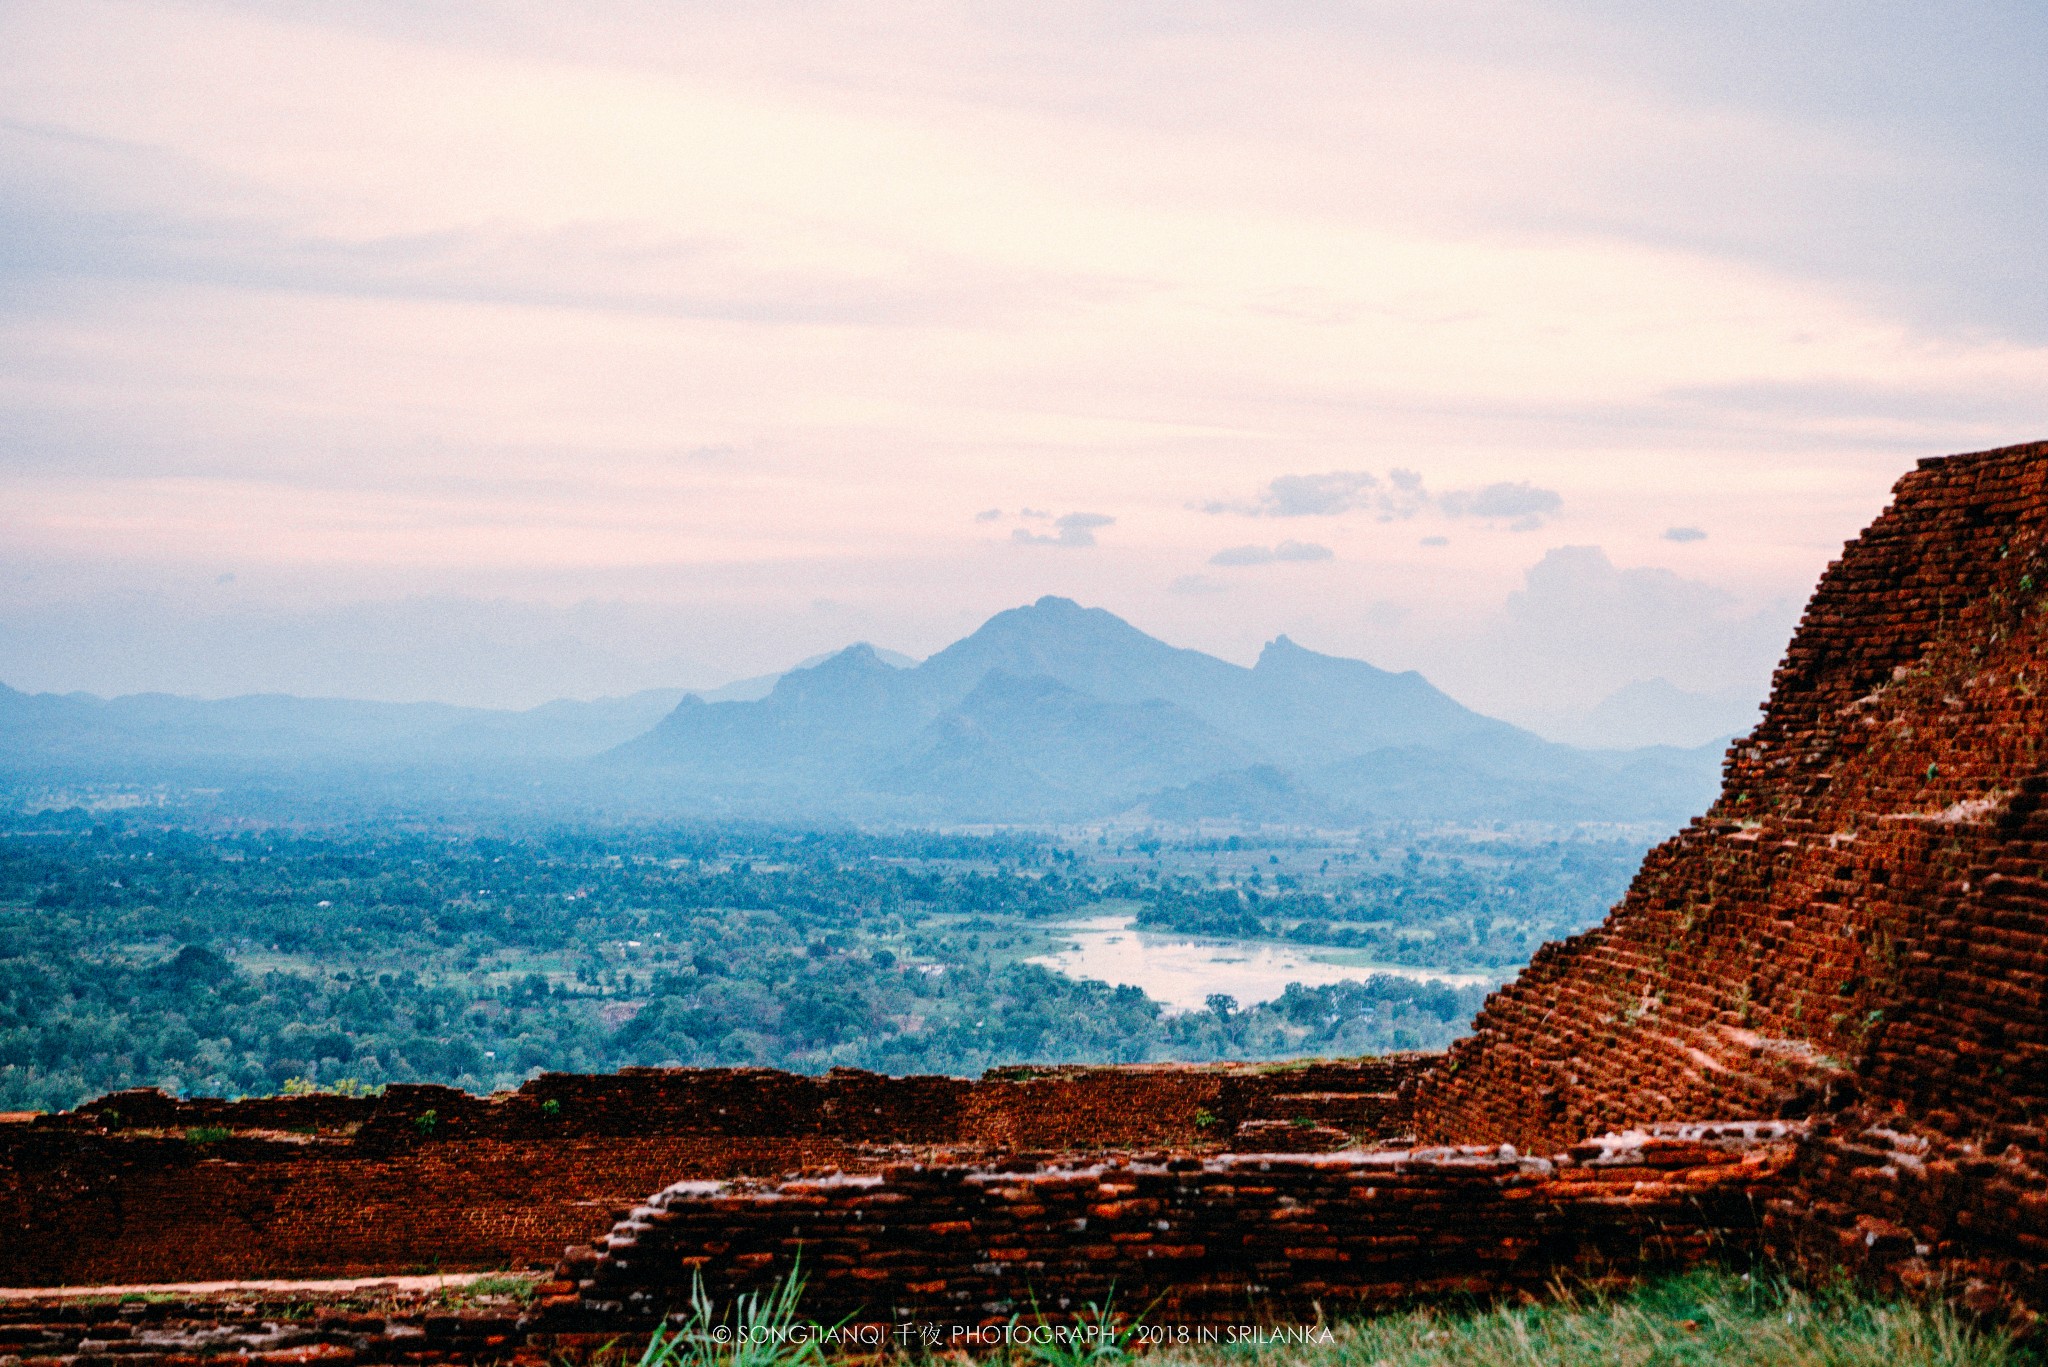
{"points": [[1072, 529], [758, 304], [1268, 555], [1684, 534], [1318, 495], [1331, 494], [1522, 506], [1581, 626], [1400, 495]]}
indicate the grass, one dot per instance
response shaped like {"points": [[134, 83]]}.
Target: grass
{"points": [[1707, 1318], [762, 1329], [1704, 1318], [1097, 1339], [514, 1286]]}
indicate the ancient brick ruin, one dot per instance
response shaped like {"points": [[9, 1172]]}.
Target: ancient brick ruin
{"points": [[1197, 1239], [1815, 1026], [1855, 932], [137, 1187]]}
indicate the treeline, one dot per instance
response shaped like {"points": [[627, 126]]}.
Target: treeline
{"points": [[1444, 902], [230, 964]]}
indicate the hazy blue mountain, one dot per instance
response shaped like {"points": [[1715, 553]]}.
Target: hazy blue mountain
{"points": [[1087, 649], [73, 730], [761, 685], [79, 730], [830, 724], [1047, 712], [1263, 793], [1059, 711], [564, 729], [1293, 703], [1028, 748], [156, 726], [1302, 707]]}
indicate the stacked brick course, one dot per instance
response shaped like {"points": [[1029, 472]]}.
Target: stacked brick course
{"points": [[1225, 1238], [138, 1187], [265, 1328], [1858, 929]]}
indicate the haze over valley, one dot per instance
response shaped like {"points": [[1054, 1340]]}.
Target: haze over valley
{"points": [[1057, 839], [1051, 713], [911, 537]]}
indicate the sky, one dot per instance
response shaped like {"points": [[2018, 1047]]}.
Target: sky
{"points": [[495, 353]]}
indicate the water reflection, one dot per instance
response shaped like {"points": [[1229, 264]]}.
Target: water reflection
{"points": [[1181, 971]]}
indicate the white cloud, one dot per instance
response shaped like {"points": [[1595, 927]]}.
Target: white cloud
{"points": [[1399, 496], [504, 302], [1286, 551], [1581, 627], [1522, 505], [1318, 495], [1072, 529]]}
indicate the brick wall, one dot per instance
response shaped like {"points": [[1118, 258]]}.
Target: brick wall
{"points": [[275, 1327], [119, 1191], [1858, 929], [1230, 1237], [1854, 937]]}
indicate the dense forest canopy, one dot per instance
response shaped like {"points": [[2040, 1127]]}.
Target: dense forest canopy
{"points": [[224, 961]]}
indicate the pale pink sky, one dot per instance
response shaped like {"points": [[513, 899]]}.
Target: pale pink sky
{"points": [[499, 352]]}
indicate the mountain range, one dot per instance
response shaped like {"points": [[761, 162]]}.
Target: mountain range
{"points": [[152, 731], [1048, 712], [1061, 711]]}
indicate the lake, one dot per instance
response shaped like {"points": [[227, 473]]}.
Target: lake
{"points": [[1181, 971]]}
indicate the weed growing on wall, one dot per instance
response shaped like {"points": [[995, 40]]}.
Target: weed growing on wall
{"points": [[762, 1329]]}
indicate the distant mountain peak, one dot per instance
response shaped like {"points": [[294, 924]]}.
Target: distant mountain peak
{"points": [[1053, 623], [895, 659], [858, 667], [1280, 647], [859, 655], [1049, 710], [1054, 709], [1056, 614], [1286, 651]]}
